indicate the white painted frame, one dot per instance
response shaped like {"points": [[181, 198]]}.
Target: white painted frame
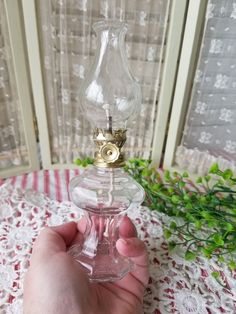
{"points": [[23, 88], [191, 41], [32, 45], [174, 41]]}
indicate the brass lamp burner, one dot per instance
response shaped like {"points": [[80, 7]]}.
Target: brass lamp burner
{"points": [[109, 144]]}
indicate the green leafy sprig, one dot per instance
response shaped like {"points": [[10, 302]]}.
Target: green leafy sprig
{"points": [[204, 212], [83, 162]]}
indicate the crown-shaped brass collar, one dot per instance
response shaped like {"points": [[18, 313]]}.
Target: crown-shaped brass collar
{"points": [[109, 145]]}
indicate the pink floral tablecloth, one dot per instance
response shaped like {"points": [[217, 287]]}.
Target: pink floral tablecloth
{"points": [[29, 202]]}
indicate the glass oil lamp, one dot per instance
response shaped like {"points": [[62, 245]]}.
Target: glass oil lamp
{"points": [[109, 97]]}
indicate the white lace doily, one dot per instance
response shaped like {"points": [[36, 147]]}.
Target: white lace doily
{"points": [[175, 286]]}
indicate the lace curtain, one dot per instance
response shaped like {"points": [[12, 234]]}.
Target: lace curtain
{"points": [[210, 131], [68, 44], [13, 149]]}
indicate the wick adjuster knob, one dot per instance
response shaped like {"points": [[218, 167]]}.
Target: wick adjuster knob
{"points": [[109, 152]]}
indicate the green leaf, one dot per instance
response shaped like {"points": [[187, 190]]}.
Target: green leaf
{"points": [[185, 175], [205, 214], [167, 175], [173, 225], [220, 182], [84, 163], [203, 200], [175, 199], [211, 223], [207, 178], [190, 217], [212, 247], [156, 187], [167, 233], [182, 184], [89, 160], [229, 227], [171, 245], [215, 274], [221, 259], [170, 190], [78, 162], [187, 198], [189, 206], [227, 174], [190, 256], [233, 210], [199, 180], [232, 265], [206, 252], [146, 172], [198, 224], [218, 239], [214, 168]]}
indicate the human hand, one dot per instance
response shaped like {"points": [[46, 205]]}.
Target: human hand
{"points": [[56, 283]]}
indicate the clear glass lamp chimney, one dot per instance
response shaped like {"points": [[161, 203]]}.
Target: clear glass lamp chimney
{"points": [[110, 96]]}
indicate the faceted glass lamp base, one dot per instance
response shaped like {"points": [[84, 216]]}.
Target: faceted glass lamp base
{"points": [[102, 267], [104, 195]]}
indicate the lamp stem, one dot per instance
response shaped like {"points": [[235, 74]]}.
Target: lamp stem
{"points": [[106, 107]]}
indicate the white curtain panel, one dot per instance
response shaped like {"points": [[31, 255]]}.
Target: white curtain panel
{"points": [[210, 131], [68, 44], [13, 151]]}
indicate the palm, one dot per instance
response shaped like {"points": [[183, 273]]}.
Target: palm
{"points": [[118, 299], [121, 297]]}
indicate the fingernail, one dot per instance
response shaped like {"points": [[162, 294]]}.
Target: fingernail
{"points": [[124, 241]]}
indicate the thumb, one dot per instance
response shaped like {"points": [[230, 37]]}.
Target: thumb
{"points": [[136, 250]]}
